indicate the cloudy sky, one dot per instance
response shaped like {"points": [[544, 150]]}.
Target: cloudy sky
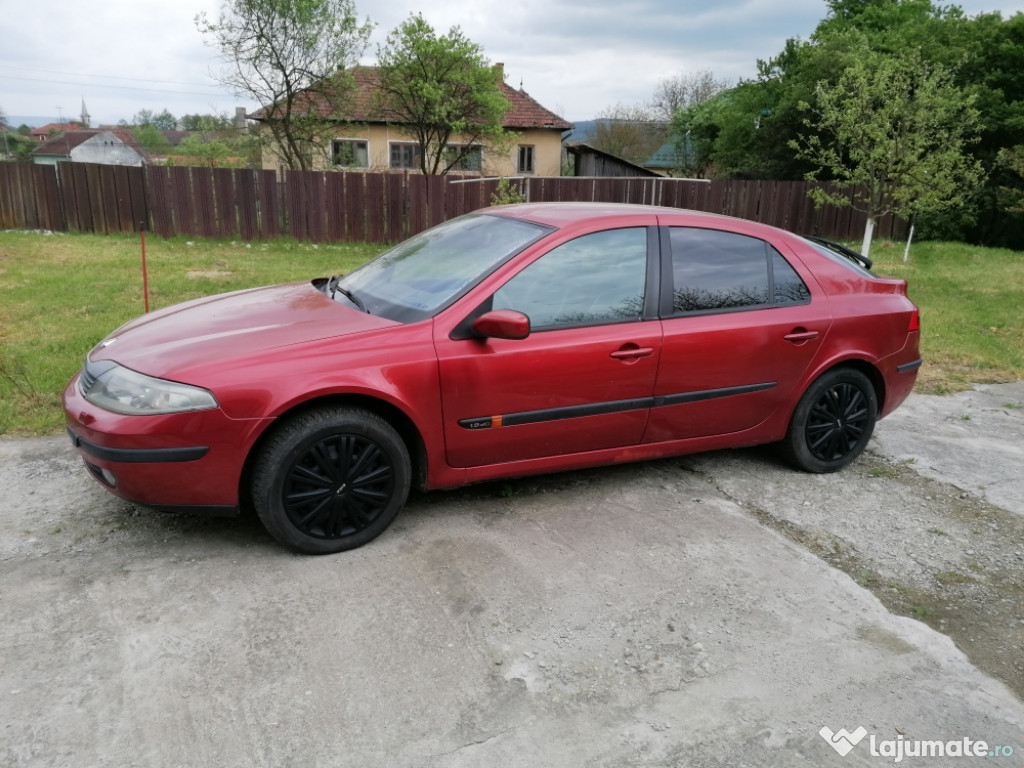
{"points": [[576, 59]]}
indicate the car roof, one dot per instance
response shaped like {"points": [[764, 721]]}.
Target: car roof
{"points": [[562, 214]]}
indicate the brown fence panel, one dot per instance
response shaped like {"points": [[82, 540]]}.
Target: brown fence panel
{"points": [[416, 200], [395, 190], [268, 205], [226, 202], [437, 202], [374, 197], [355, 206], [11, 210], [181, 202], [47, 195], [129, 189], [248, 206], [201, 186], [158, 185], [334, 207], [30, 197]]}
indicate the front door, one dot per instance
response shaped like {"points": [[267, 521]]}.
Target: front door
{"points": [[581, 381]]}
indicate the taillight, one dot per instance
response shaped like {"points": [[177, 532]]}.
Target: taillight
{"points": [[915, 321]]}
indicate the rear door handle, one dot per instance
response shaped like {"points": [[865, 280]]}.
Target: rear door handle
{"points": [[800, 335]]}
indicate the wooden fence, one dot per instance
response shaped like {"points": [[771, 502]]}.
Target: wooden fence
{"points": [[372, 207]]}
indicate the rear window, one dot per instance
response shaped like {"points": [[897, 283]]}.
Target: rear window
{"points": [[840, 258], [717, 271]]}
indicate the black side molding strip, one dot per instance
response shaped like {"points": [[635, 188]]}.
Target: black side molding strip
{"points": [[138, 455], [907, 367], [614, 406], [711, 394]]}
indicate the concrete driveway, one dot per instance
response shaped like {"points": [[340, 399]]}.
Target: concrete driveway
{"points": [[687, 612]]}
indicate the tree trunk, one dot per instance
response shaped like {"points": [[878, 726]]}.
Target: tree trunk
{"points": [[869, 232]]}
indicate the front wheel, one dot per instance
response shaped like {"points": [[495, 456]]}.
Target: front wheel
{"points": [[331, 479], [833, 421]]}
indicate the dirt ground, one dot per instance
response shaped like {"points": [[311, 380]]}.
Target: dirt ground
{"points": [[711, 610]]}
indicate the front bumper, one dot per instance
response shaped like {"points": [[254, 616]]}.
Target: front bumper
{"points": [[184, 460]]}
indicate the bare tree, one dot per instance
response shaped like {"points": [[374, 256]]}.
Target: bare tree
{"points": [[684, 91], [630, 132]]}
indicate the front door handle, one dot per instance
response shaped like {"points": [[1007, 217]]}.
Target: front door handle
{"points": [[632, 352]]}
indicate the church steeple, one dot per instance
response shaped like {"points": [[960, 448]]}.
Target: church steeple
{"points": [[85, 114]]}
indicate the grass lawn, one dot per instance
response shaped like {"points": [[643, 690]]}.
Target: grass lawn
{"points": [[60, 294], [972, 311]]}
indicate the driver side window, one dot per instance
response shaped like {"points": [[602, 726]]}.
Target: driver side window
{"points": [[593, 280]]}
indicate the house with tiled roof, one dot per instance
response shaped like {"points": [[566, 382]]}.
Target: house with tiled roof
{"points": [[365, 139], [104, 146], [48, 131]]}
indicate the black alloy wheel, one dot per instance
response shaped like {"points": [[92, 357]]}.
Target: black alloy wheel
{"points": [[833, 421], [331, 479]]}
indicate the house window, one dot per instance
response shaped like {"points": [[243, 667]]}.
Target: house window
{"points": [[350, 153], [525, 164], [405, 155], [460, 157]]}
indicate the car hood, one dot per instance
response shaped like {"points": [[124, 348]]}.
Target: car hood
{"points": [[217, 329]]}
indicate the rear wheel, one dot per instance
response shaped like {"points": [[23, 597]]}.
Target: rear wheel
{"points": [[331, 479], [833, 421]]}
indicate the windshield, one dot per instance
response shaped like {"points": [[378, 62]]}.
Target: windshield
{"points": [[419, 277]]}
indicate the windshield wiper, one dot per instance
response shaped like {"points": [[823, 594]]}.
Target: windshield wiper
{"points": [[333, 287]]}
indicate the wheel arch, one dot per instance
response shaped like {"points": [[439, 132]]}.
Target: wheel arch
{"points": [[395, 416], [873, 374], [866, 367]]}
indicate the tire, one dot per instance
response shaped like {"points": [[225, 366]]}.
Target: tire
{"points": [[832, 422], [331, 479]]}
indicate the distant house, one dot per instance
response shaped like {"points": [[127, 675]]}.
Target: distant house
{"points": [[104, 146], [368, 140], [48, 131]]}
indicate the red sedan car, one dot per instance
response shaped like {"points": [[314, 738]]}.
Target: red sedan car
{"points": [[515, 340]]}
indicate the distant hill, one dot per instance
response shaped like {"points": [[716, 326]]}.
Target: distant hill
{"points": [[583, 130]]}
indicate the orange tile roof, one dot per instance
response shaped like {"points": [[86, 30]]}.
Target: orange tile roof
{"points": [[525, 111]]}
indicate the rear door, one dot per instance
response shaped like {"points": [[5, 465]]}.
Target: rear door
{"points": [[740, 328]]}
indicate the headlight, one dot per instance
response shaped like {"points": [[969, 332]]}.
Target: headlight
{"points": [[123, 390]]}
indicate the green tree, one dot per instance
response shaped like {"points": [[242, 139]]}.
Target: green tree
{"points": [[211, 122], [163, 121], [894, 131], [441, 87], [291, 56], [150, 138], [217, 151]]}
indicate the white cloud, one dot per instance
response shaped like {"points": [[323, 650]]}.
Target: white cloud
{"points": [[127, 55]]}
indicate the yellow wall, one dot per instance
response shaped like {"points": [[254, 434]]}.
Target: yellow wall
{"points": [[497, 160]]}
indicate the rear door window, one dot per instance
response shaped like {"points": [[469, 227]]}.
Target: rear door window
{"points": [[716, 271]]}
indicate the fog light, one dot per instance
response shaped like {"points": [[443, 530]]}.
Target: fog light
{"points": [[105, 476]]}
